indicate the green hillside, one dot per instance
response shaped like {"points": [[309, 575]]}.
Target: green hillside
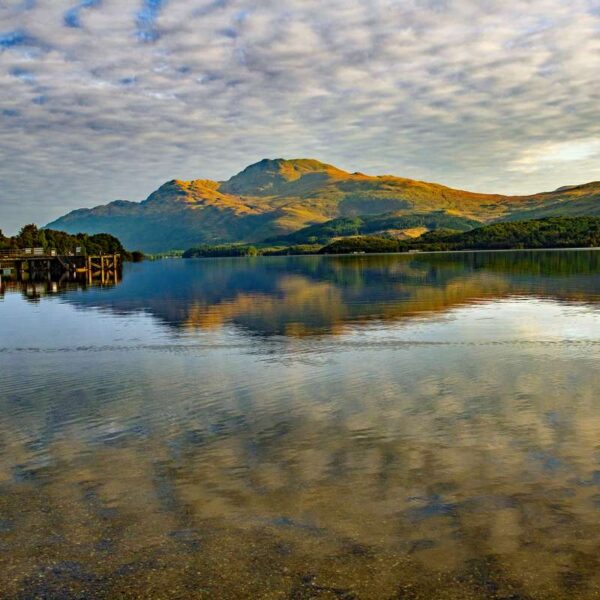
{"points": [[390, 224], [550, 232], [274, 198]]}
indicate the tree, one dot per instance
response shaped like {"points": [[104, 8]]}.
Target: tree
{"points": [[28, 236]]}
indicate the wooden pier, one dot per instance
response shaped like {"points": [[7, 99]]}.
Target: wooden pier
{"points": [[34, 264]]}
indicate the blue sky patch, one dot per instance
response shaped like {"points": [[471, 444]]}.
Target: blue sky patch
{"points": [[146, 20], [72, 18]]}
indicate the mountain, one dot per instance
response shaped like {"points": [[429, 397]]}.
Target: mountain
{"points": [[274, 198]]}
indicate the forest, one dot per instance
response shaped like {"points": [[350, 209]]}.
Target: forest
{"points": [[31, 236]]}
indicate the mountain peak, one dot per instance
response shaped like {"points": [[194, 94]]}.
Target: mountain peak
{"points": [[298, 165], [273, 176]]}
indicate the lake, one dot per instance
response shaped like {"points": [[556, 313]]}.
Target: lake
{"points": [[360, 427]]}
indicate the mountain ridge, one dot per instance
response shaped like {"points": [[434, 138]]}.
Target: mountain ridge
{"points": [[276, 197]]}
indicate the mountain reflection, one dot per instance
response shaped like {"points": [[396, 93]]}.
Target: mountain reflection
{"points": [[301, 296]]}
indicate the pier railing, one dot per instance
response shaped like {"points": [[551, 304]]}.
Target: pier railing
{"points": [[25, 253]]}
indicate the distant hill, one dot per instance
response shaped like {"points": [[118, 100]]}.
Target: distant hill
{"points": [[274, 198], [573, 201]]}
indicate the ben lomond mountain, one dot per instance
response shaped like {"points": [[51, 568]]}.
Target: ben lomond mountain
{"points": [[273, 198]]}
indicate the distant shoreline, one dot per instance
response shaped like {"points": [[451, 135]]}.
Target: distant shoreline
{"points": [[357, 254], [478, 251]]}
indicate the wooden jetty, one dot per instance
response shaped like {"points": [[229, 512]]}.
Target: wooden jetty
{"points": [[35, 264]]}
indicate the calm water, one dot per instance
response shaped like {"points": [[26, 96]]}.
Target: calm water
{"points": [[381, 427]]}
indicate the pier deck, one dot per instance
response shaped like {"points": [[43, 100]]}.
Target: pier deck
{"points": [[34, 264]]}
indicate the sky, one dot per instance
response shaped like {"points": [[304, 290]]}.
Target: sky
{"points": [[108, 99]]}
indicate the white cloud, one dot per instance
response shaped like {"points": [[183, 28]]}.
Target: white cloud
{"points": [[550, 154], [476, 95]]}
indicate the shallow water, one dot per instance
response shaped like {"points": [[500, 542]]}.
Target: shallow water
{"points": [[423, 426]]}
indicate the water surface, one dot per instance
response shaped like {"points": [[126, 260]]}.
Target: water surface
{"points": [[421, 426]]}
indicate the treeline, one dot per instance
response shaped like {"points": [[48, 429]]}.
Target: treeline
{"points": [[323, 233], [364, 243], [551, 232], [207, 251], [233, 250], [30, 236]]}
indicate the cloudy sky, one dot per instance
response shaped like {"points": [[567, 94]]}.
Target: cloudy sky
{"points": [[107, 99]]}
